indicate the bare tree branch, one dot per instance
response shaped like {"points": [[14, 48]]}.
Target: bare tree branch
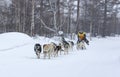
{"points": [[47, 26]]}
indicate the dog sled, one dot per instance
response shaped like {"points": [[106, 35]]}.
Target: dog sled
{"points": [[81, 45]]}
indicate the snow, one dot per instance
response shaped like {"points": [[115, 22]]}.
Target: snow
{"points": [[17, 58]]}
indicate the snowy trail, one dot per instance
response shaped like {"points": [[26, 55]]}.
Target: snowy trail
{"points": [[101, 59], [14, 47]]}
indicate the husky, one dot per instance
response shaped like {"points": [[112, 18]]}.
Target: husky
{"points": [[65, 46], [37, 49], [81, 45], [48, 49], [71, 44], [58, 49]]}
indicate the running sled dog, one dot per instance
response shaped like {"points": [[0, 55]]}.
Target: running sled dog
{"points": [[37, 49], [81, 45]]}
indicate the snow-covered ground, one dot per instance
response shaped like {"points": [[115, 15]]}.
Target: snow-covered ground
{"points": [[17, 58]]}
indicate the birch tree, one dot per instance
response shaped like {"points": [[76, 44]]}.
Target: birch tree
{"points": [[32, 18]]}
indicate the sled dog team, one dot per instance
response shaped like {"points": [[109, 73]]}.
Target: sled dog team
{"points": [[52, 49]]}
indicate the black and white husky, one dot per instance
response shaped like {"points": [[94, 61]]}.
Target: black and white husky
{"points": [[37, 49], [71, 44], [81, 45], [65, 45]]}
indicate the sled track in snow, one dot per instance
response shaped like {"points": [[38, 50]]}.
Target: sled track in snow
{"points": [[14, 47]]}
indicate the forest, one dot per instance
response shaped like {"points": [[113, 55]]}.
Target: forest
{"points": [[49, 17]]}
